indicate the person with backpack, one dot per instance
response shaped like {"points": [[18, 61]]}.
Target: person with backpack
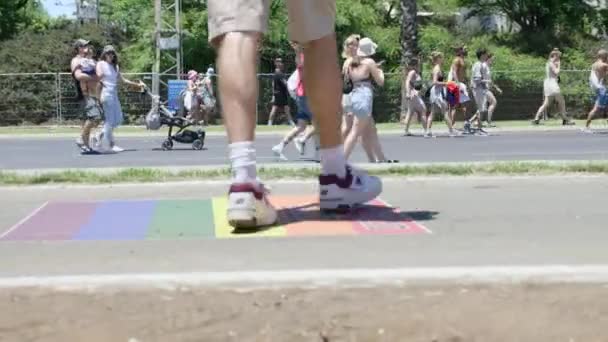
{"points": [[280, 95], [438, 95], [303, 115]]}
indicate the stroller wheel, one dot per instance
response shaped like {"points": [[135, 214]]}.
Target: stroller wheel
{"points": [[167, 145], [197, 144]]}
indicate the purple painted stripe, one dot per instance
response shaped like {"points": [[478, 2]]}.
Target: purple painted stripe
{"points": [[56, 221], [119, 220]]}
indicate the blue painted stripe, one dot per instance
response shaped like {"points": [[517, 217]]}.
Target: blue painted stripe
{"points": [[119, 220]]}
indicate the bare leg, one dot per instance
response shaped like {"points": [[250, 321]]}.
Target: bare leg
{"points": [[288, 115], [492, 103], [238, 85], [375, 142], [273, 112], [542, 109], [323, 88], [347, 125], [88, 126], [592, 114], [367, 143], [359, 127], [407, 121]]}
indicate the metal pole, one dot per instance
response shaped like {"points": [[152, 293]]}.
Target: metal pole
{"points": [[156, 69], [178, 32]]}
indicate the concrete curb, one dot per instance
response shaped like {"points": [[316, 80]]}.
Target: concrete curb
{"points": [[417, 131]]}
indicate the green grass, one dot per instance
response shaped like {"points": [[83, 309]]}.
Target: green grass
{"points": [[73, 130], [146, 175]]}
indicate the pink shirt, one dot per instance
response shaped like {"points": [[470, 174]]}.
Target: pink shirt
{"points": [[300, 66]]}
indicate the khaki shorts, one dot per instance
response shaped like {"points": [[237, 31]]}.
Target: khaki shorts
{"points": [[308, 19]]}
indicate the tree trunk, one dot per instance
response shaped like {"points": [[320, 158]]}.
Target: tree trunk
{"points": [[409, 43]]}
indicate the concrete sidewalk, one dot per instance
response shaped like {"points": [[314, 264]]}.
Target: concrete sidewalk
{"points": [[489, 221]]}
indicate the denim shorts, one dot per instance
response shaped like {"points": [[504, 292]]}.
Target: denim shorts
{"points": [[303, 112]]}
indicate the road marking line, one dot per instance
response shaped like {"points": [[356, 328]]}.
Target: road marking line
{"points": [[23, 220], [545, 274]]}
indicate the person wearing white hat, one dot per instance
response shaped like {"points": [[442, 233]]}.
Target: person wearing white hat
{"points": [[109, 76], [236, 31], [361, 70]]}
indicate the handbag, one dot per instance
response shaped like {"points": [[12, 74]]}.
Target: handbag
{"points": [[347, 83]]}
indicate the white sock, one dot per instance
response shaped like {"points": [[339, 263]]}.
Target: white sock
{"points": [[333, 161], [242, 158]]}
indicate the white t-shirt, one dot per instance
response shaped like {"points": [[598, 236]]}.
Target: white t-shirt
{"points": [[481, 75], [109, 79]]}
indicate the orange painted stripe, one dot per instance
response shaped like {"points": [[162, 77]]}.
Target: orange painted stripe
{"points": [[300, 216]]}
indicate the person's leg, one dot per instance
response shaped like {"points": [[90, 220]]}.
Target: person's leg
{"points": [[367, 142], [492, 103], [347, 124], [360, 126], [375, 141], [561, 105], [235, 32], [408, 120], [287, 112], [541, 110], [429, 121], [312, 23], [273, 112]]}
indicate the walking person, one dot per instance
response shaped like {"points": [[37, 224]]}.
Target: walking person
{"points": [[86, 81], [457, 75], [598, 80], [280, 94], [110, 77], [362, 69], [415, 103], [236, 32], [349, 51], [480, 83], [437, 96], [551, 89], [207, 96], [303, 115], [492, 101]]}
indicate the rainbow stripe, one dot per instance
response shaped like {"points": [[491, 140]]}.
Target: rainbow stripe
{"points": [[199, 218]]}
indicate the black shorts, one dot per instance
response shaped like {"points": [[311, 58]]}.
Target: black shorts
{"points": [[280, 100]]}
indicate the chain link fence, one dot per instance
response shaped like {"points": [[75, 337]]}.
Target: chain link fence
{"points": [[50, 98]]}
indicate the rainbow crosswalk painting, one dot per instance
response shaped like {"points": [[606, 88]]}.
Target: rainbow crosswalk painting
{"points": [[199, 218]]}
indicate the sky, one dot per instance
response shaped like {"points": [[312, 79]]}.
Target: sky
{"points": [[56, 8]]}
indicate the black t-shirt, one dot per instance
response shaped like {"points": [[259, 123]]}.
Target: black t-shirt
{"points": [[279, 84]]}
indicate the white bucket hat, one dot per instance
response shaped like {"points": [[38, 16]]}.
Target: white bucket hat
{"points": [[367, 48]]}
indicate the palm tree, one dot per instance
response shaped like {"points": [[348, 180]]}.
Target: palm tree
{"points": [[409, 42]]}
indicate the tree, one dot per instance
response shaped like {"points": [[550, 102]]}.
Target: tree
{"points": [[12, 15], [409, 42], [535, 16]]}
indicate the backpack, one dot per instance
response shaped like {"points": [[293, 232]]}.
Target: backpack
{"points": [[292, 84], [347, 83]]}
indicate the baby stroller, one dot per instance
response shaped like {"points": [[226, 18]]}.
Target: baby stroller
{"points": [[159, 116]]}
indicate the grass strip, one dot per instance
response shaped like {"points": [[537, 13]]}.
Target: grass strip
{"points": [[147, 175]]}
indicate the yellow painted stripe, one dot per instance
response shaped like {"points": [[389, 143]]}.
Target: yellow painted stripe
{"points": [[223, 230]]}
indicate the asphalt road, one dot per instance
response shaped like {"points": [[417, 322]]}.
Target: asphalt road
{"points": [[43, 153]]}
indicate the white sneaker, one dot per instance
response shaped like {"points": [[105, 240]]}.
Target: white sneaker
{"points": [[117, 149], [300, 145], [586, 130], [278, 152], [356, 188], [248, 206]]}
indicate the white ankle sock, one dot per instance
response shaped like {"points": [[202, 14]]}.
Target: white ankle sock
{"points": [[242, 158], [333, 161]]}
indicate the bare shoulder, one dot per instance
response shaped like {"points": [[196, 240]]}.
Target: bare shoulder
{"points": [[75, 63]]}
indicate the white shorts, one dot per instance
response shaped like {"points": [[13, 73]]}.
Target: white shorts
{"points": [[481, 99]]}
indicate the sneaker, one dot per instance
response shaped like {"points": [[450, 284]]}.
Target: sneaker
{"points": [[428, 135], [568, 123], [535, 122], [356, 188], [248, 206], [278, 152], [300, 145], [81, 145], [586, 130], [117, 149]]}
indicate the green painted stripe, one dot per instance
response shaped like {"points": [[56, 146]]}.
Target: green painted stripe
{"points": [[182, 219]]}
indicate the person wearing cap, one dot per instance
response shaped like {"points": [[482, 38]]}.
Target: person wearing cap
{"points": [[86, 82], [110, 76], [235, 31], [362, 70]]}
